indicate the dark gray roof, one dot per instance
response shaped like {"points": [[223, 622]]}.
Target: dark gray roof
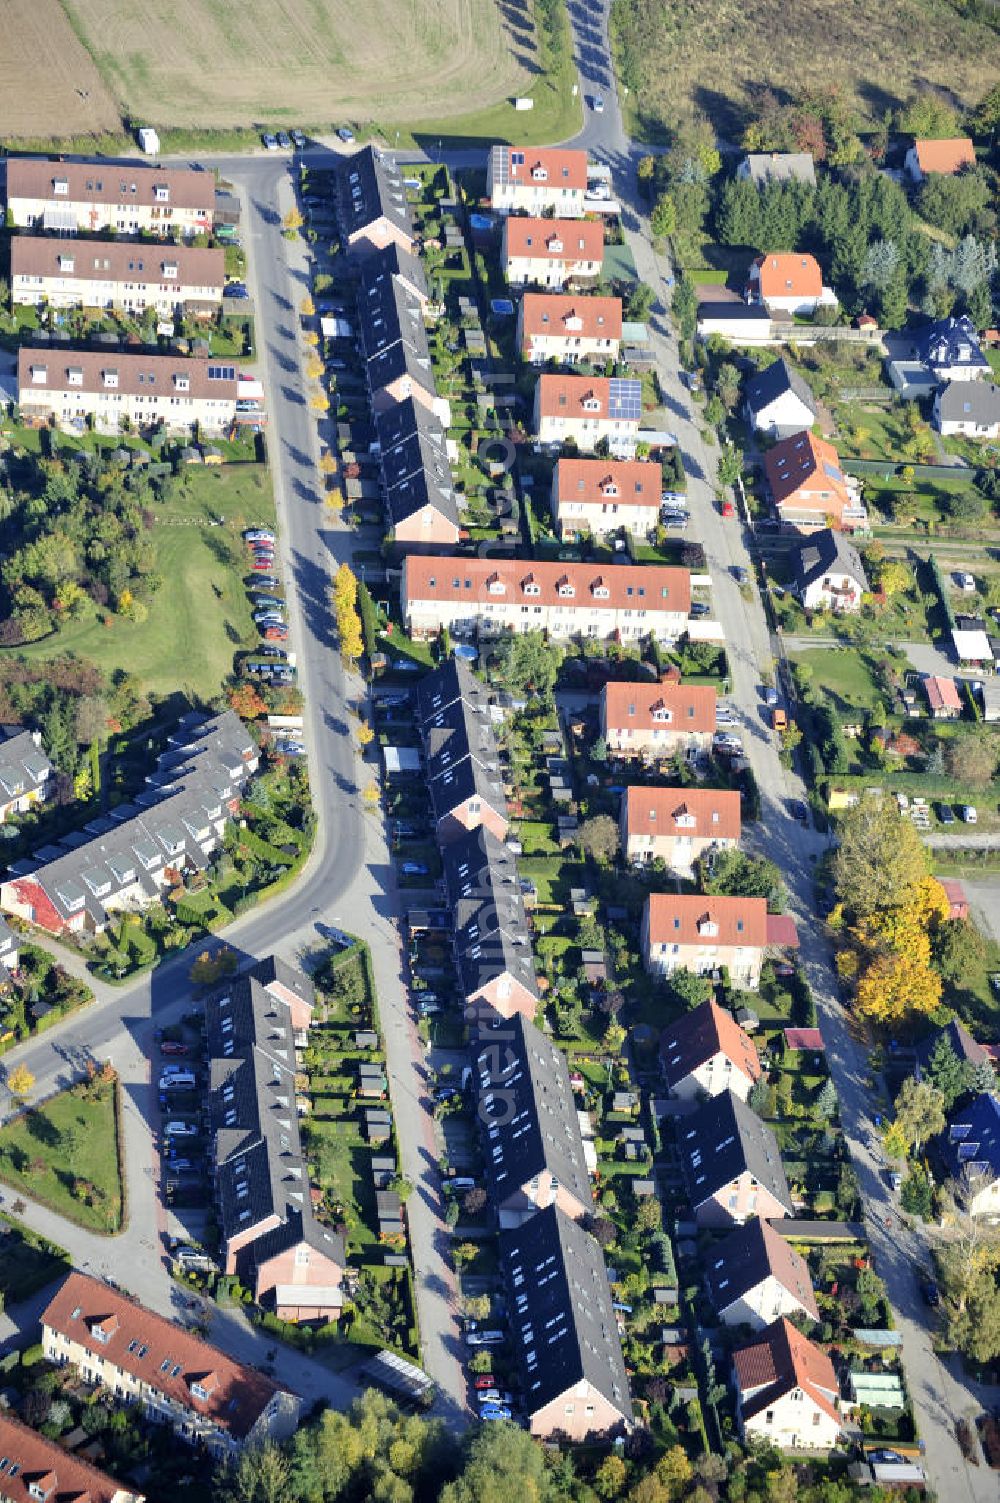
{"points": [[370, 187], [273, 971], [404, 421], [491, 929], [969, 402], [24, 767], [443, 686], [462, 759], [963, 1045], [527, 1112], [949, 342], [747, 1257], [768, 385], [387, 312], [561, 1322], [393, 261], [735, 310], [401, 359], [8, 939], [417, 474], [822, 551], [259, 1164], [722, 1140], [973, 1138]]}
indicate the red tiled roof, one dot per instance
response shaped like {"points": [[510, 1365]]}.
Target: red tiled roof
{"points": [[554, 239], [790, 275], [700, 1035], [781, 1360], [240, 1394], [942, 693], [685, 919], [110, 183], [657, 811], [563, 313], [641, 707], [46, 1464], [945, 156], [628, 586], [803, 1038], [781, 931], [954, 892], [802, 465], [629, 482], [563, 169]]}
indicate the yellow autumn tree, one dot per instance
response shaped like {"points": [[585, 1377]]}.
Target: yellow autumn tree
{"points": [[907, 928], [344, 596], [895, 987]]}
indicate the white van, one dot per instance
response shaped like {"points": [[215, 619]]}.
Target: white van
{"points": [[183, 1080]]}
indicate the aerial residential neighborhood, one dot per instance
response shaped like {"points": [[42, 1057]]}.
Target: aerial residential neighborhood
{"points": [[499, 767]]}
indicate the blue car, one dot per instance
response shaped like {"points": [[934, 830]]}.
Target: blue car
{"points": [[494, 1412], [414, 869]]}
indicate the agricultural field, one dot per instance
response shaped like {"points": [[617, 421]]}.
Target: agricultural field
{"points": [[225, 63], [48, 80], [683, 56]]}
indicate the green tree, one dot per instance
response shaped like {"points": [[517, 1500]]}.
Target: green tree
{"points": [[598, 837], [879, 860], [663, 219], [689, 989], [503, 1465], [948, 1074], [919, 1115], [927, 115], [735, 874], [529, 664]]}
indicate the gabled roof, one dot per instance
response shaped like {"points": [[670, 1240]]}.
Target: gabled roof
{"points": [[724, 1139], [554, 313], [370, 187], [780, 167], [30, 1458], [573, 586], [969, 402], [770, 384], [389, 311], [690, 919], [778, 1362], [527, 1113], [117, 261], [799, 465], [823, 551], [684, 709], [696, 813], [598, 482], [443, 686], [430, 485], [492, 938], [942, 693], [788, 274], [538, 166], [24, 767], [747, 1257], [394, 261], [109, 183], [701, 1034], [963, 1045], [528, 239], [945, 156], [459, 742], [44, 371], [562, 1324], [159, 1353], [973, 1137], [595, 397], [404, 422]]}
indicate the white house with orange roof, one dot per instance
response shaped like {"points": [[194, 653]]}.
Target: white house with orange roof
{"points": [[690, 932], [654, 721], [551, 252], [788, 283], [678, 825], [583, 410], [808, 486], [536, 179], [706, 1051], [494, 596], [948, 156], [558, 326], [596, 496], [787, 1391]]}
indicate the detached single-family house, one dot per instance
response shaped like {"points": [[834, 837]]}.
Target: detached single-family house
{"points": [[527, 1114], [948, 349], [551, 252], [597, 496], [964, 1047], [971, 1150], [754, 1277], [971, 408], [788, 282], [495, 597], [705, 1052], [25, 771], [584, 410], [808, 486], [829, 574], [653, 721], [678, 826], [943, 699], [689, 932], [731, 1164], [537, 180], [563, 1331], [787, 1392], [948, 156], [568, 329], [778, 402], [763, 167]]}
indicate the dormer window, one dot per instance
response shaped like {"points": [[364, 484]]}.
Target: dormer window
{"points": [[600, 590], [539, 174], [609, 488], [531, 587], [182, 383], [662, 715], [60, 186], [573, 322], [39, 375], [161, 193], [74, 375], [110, 378], [591, 403], [67, 263], [169, 270], [707, 928], [685, 821], [496, 586], [566, 589], [555, 246]]}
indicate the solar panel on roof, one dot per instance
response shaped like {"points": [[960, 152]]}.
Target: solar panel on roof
{"points": [[831, 471], [625, 399]]}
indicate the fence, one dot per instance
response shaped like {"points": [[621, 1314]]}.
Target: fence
{"points": [[881, 394], [888, 469]]}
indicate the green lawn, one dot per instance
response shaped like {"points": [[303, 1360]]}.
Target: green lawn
{"points": [[64, 1154], [27, 1261], [201, 614], [845, 674], [343, 1166]]}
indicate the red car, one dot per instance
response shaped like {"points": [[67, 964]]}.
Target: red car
{"points": [[487, 1380], [169, 1047], [276, 634], [262, 564]]}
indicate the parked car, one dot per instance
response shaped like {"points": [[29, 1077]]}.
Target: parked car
{"points": [[724, 714], [483, 1338], [945, 814], [969, 813], [931, 1293], [770, 697], [259, 535], [597, 104], [495, 1412], [799, 811], [180, 1130], [699, 608], [264, 581], [739, 574], [237, 292], [298, 139], [274, 633], [171, 1046], [414, 869], [270, 142], [966, 582], [284, 140], [485, 1380], [291, 748], [346, 135], [272, 652]]}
